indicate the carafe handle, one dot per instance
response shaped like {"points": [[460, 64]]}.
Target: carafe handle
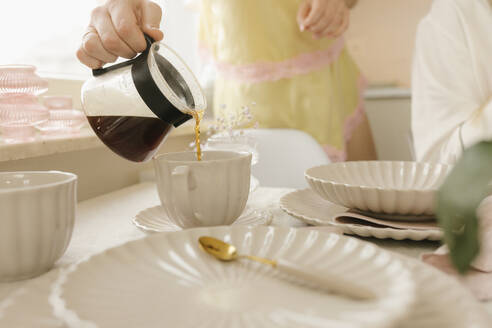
{"points": [[102, 70]]}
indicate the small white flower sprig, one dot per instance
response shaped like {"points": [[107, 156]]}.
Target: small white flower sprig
{"points": [[233, 121], [231, 124]]}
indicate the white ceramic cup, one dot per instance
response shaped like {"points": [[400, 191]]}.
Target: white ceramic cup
{"points": [[37, 213], [210, 192]]}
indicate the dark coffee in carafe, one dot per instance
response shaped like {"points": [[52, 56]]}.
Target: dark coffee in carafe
{"points": [[133, 106], [134, 138]]}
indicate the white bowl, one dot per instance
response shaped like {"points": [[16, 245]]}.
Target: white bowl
{"points": [[404, 188], [37, 213]]}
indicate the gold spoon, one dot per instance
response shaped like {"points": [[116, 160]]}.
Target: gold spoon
{"points": [[337, 284]]}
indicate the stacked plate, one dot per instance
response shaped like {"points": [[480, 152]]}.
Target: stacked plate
{"points": [[378, 199]]}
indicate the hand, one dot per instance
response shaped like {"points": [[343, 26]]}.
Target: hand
{"points": [[116, 30], [324, 18]]}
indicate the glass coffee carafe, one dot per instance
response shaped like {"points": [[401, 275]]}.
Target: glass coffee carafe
{"points": [[132, 106]]}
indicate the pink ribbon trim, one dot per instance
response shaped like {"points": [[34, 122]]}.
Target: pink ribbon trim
{"points": [[302, 64], [273, 71], [351, 123]]}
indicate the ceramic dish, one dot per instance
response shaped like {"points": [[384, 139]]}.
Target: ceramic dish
{"points": [[441, 302], [37, 215], [307, 206], [171, 281], [154, 219], [406, 188]]}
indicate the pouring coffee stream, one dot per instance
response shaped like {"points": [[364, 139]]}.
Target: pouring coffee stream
{"points": [[198, 115], [132, 106]]}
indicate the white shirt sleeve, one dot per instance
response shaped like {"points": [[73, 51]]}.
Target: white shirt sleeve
{"points": [[446, 100], [479, 126]]}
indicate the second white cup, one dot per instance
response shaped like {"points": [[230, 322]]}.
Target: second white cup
{"points": [[210, 192]]}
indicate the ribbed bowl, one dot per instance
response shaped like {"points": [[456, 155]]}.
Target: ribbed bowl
{"points": [[404, 188], [36, 221], [21, 79], [62, 122], [22, 110]]}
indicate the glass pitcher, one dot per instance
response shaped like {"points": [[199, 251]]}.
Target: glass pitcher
{"points": [[132, 106]]}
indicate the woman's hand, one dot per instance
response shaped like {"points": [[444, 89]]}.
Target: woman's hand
{"points": [[117, 30], [324, 18]]}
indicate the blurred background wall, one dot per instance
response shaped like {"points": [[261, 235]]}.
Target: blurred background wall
{"points": [[381, 38]]}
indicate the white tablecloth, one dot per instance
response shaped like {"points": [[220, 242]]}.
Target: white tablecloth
{"points": [[104, 222]]}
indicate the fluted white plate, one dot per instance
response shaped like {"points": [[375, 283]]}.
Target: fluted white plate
{"points": [[308, 207], [441, 302], [167, 280], [405, 188], [154, 219]]}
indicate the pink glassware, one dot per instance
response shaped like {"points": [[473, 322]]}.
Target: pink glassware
{"points": [[21, 79], [62, 122], [63, 119], [18, 133], [20, 110], [18, 115], [58, 102]]}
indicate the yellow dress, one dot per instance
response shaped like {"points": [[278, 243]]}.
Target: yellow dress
{"points": [[294, 81]]}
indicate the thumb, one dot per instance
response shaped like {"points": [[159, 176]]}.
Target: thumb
{"points": [[302, 13], [151, 20]]}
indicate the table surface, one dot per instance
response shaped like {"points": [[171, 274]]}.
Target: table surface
{"points": [[105, 221]]}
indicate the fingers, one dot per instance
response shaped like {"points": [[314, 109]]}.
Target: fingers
{"points": [[330, 12], [126, 26], [92, 45], [333, 23], [88, 60], [302, 13], [151, 20], [117, 30], [316, 12], [343, 27], [331, 27], [323, 24], [111, 41]]}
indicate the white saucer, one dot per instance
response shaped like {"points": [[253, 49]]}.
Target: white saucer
{"points": [[154, 219], [308, 207]]}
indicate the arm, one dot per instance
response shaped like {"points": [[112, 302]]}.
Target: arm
{"points": [[478, 126], [446, 101]]}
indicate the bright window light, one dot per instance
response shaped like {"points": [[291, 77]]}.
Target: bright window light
{"points": [[46, 33]]}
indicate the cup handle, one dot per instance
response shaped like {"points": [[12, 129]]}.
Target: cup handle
{"points": [[183, 184]]}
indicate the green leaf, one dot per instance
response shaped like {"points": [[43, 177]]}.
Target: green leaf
{"points": [[458, 200]]}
